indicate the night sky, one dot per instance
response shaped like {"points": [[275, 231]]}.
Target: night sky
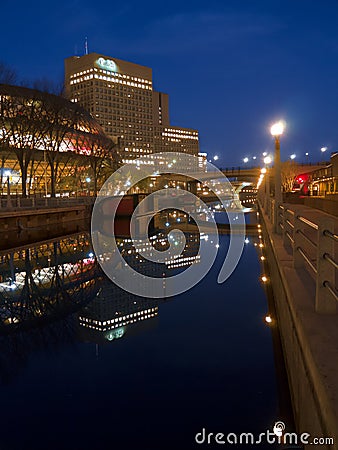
{"points": [[231, 67]]}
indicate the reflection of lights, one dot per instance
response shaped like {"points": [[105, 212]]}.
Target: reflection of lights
{"points": [[115, 334]]}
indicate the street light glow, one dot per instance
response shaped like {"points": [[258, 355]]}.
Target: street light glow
{"points": [[293, 156], [323, 149], [277, 128], [215, 157], [267, 160], [246, 159]]}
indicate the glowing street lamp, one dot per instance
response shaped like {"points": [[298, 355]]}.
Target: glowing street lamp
{"points": [[267, 160], [293, 156], [246, 159], [323, 149], [277, 130], [216, 157]]}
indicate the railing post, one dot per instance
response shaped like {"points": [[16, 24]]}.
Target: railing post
{"points": [[325, 303], [272, 204], [285, 229], [298, 261], [277, 209]]}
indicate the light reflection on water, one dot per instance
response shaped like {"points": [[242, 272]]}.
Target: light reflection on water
{"points": [[125, 370]]}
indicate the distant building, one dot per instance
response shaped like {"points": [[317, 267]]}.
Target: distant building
{"points": [[120, 96]]}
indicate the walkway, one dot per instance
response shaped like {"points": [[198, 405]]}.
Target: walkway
{"points": [[302, 249]]}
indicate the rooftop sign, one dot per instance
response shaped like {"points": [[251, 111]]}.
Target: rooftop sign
{"points": [[106, 64]]}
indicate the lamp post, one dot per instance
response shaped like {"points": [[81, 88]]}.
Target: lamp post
{"points": [[276, 131], [267, 160]]}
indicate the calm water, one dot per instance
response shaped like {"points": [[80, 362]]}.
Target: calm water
{"points": [[204, 359]]}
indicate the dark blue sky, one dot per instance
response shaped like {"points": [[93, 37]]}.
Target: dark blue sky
{"points": [[231, 67]]}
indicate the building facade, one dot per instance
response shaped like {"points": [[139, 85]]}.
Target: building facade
{"points": [[120, 96]]}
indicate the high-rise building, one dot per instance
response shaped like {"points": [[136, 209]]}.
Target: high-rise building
{"points": [[120, 96]]}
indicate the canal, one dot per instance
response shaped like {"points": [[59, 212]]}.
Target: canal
{"points": [[85, 365]]}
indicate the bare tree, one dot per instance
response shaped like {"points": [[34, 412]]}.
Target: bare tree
{"points": [[32, 121], [21, 122], [48, 86], [7, 74], [289, 172]]}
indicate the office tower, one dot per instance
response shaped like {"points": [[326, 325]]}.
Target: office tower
{"points": [[120, 96]]}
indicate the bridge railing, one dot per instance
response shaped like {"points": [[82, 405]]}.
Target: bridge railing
{"points": [[18, 203], [311, 238]]}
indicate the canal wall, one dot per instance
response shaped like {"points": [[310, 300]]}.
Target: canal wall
{"points": [[22, 220], [309, 341]]}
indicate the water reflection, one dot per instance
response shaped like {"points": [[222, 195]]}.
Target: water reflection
{"points": [[44, 282], [199, 357]]}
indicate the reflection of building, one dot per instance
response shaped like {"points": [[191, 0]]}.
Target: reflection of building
{"points": [[113, 311], [120, 95], [46, 280]]}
